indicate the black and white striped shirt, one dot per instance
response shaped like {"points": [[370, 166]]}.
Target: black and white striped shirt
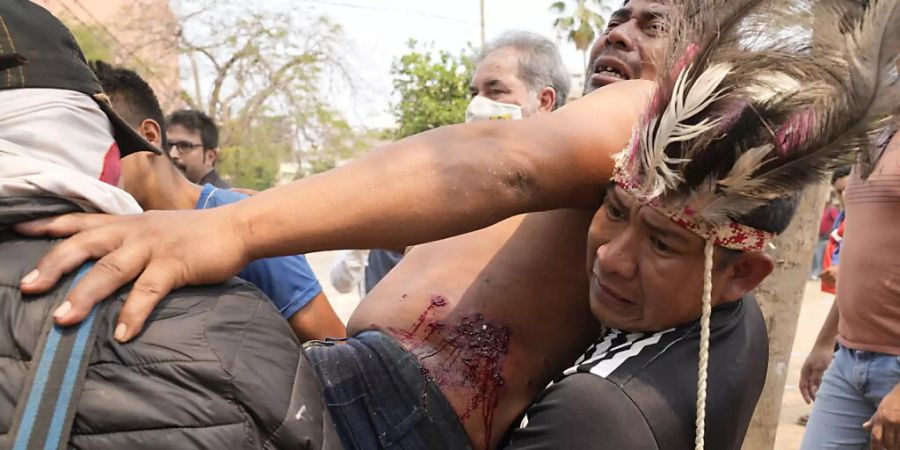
{"points": [[638, 390]]}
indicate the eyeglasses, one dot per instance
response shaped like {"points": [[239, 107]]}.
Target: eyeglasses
{"points": [[183, 147]]}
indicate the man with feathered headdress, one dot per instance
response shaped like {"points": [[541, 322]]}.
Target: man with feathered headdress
{"points": [[712, 174]]}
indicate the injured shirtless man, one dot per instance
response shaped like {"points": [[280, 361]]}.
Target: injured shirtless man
{"points": [[459, 340], [482, 311]]}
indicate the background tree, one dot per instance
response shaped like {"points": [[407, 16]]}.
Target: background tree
{"points": [[263, 72], [89, 38], [433, 89], [579, 21]]}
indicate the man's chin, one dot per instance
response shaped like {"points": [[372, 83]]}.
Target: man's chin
{"points": [[614, 318], [597, 81]]}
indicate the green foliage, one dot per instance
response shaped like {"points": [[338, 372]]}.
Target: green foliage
{"points": [[580, 23], [433, 89], [248, 167], [336, 142], [91, 43], [251, 159]]}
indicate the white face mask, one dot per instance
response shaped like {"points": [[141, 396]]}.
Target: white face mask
{"points": [[483, 108]]}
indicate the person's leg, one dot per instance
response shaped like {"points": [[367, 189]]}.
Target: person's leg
{"points": [[379, 396], [841, 407], [883, 376], [818, 256]]}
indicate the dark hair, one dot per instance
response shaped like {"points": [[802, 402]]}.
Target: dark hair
{"points": [[196, 121], [840, 173], [773, 217], [130, 95]]}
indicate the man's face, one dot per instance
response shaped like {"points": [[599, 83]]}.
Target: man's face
{"points": [[646, 272], [497, 78], [840, 185], [188, 154], [629, 48]]}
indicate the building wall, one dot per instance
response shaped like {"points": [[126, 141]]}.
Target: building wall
{"points": [[138, 34]]}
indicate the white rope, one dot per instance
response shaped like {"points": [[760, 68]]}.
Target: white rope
{"points": [[699, 441]]}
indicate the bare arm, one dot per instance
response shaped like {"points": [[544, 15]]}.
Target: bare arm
{"points": [[450, 180], [430, 186], [317, 320], [828, 334], [820, 356]]}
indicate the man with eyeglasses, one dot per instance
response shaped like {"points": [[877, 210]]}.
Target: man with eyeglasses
{"points": [[194, 146]]}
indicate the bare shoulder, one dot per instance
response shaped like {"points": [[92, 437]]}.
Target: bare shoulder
{"points": [[631, 95]]}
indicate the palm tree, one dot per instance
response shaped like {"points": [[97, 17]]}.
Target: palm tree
{"points": [[580, 22]]}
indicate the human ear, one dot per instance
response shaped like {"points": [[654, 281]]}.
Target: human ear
{"points": [[212, 154], [744, 273], [152, 132], [546, 99]]}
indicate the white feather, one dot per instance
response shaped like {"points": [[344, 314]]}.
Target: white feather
{"points": [[660, 170], [744, 167]]}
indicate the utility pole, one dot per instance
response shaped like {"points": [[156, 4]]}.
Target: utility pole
{"points": [[482, 23]]}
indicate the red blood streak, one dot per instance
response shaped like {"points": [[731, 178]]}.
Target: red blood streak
{"points": [[469, 353]]}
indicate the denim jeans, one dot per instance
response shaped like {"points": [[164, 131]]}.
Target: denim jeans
{"points": [[818, 258], [849, 395], [380, 398]]}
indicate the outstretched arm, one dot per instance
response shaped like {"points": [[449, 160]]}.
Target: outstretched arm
{"points": [[430, 186], [450, 180]]}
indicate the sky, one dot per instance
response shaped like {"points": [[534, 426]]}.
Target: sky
{"points": [[378, 30]]}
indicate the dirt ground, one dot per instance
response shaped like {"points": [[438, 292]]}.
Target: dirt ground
{"points": [[815, 307]]}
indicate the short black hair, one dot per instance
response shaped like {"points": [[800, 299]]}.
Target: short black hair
{"points": [[197, 121], [773, 217], [130, 95], [840, 173]]}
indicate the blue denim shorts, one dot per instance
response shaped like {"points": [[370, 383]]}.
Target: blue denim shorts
{"points": [[380, 398]]}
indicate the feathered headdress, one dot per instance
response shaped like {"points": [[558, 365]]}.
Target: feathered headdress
{"points": [[756, 100]]}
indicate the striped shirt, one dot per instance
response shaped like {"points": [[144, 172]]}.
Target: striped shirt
{"points": [[638, 390]]}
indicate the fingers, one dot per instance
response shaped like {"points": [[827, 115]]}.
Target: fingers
{"points": [[877, 434], [810, 380], [815, 383], [64, 226], [889, 436], [805, 388], [65, 257], [149, 289], [107, 275]]}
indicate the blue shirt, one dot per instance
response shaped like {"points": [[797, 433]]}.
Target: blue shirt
{"points": [[287, 280]]}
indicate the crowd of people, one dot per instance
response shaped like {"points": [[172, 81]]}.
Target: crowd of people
{"points": [[543, 276]]}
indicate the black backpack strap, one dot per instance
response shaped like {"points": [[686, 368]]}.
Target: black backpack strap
{"points": [[46, 408]]}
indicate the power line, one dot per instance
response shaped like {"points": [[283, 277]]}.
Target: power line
{"points": [[390, 10]]}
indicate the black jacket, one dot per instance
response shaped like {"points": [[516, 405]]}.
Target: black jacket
{"points": [[216, 367]]}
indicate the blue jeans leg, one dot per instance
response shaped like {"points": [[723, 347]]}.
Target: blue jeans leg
{"points": [[849, 395]]}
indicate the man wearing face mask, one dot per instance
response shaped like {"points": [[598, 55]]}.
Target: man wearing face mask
{"points": [[519, 74]]}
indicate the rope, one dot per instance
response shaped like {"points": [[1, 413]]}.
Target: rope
{"points": [[699, 441]]}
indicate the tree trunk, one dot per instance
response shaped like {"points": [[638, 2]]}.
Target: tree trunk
{"points": [[780, 298]]}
